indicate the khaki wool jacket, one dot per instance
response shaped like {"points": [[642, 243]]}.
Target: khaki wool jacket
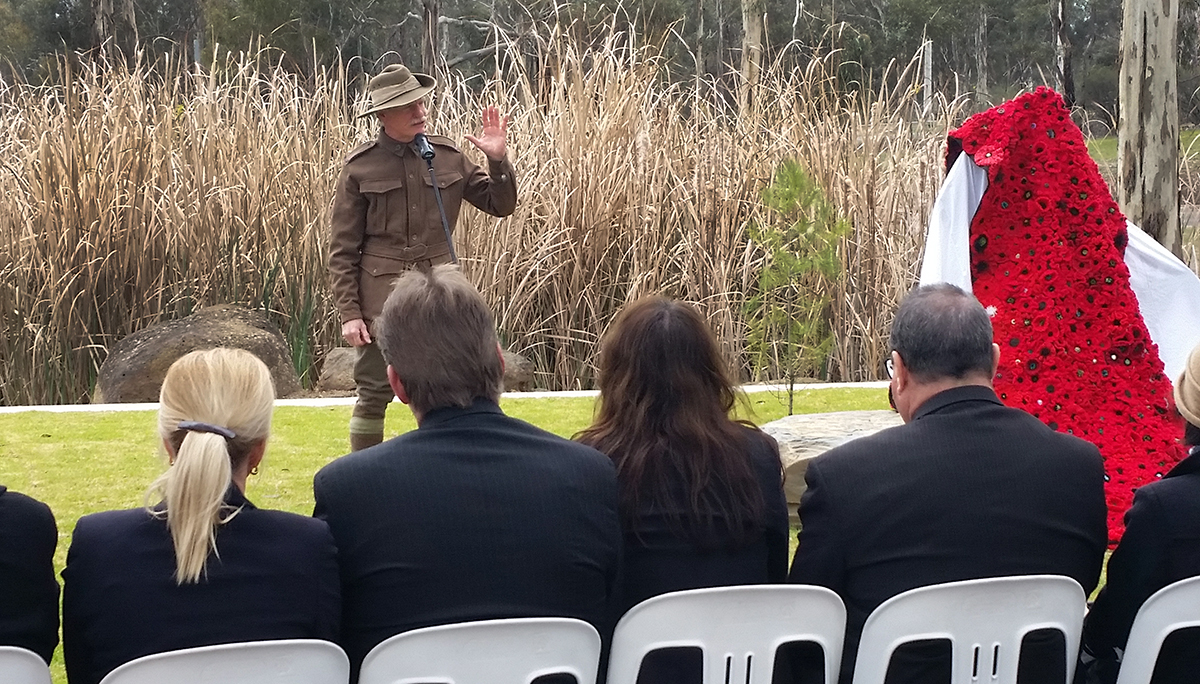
{"points": [[385, 216]]}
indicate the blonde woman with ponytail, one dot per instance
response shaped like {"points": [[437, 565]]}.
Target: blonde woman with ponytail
{"points": [[202, 565]]}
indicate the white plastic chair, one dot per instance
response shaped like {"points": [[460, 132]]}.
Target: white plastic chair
{"points": [[285, 661], [1173, 607], [510, 651], [20, 666], [984, 619], [738, 628]]}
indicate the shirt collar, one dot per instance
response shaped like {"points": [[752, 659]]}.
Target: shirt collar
{"points": [[389, 143], [445, 414], [234, 498], [1187, 466], [955, 395]]}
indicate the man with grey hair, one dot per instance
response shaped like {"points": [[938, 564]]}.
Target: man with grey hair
{"points": [[967, 488], [473, 515]]}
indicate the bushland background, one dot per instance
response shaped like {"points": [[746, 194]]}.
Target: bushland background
{"points": [[156, 158]]}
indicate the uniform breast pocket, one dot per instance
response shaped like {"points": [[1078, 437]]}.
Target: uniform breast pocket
{"points": [[444, 179], [385, 205], [449, 184]]}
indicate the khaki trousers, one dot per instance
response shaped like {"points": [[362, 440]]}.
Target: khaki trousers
{"points": [[371, 383]]}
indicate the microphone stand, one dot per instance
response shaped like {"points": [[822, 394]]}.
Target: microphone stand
{"points": [[427, 153]]}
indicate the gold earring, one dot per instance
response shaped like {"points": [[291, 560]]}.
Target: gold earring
{"points": [[254, 470]]}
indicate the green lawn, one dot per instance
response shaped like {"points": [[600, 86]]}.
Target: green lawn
{"points": [[1104, 150], [80, 463]]}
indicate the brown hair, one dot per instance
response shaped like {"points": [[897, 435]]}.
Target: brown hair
{"points": [[664, 420], [437, 333]]}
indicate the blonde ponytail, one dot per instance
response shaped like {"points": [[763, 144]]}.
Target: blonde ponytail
{"points": [[230, 388], [194, 491]]}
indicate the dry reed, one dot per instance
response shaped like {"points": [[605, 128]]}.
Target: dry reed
{"points": [[129, 197], [633, 185]]}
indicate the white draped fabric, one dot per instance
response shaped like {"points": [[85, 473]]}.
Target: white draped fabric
{"points": [[947, 248], [1168, 292]]}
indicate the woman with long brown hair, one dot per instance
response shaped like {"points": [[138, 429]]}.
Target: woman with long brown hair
{"points": [[701, 494]]}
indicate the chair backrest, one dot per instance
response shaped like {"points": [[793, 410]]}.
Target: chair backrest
{"points": [[285, 661], [20, 666], [984, 619], [1173, 607], [739, 630], [510, 651]]}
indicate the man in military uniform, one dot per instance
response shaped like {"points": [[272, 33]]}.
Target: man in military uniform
{"points": [[386, 220]]}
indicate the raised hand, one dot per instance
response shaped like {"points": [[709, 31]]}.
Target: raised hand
{"points": [[493, 141]]}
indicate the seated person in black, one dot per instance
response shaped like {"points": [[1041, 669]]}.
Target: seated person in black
{"points": [[203, 566], [28, 590], [1161, 546], [474, 515], [701, 494]]}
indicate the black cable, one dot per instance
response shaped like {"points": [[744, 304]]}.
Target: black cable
{"points": [[427, 153]]}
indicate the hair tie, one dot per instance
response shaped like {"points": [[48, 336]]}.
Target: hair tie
{"points": [[197, 426]]}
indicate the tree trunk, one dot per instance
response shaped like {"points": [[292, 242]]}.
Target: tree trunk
{"points": [[981, 57], [1148, 130], [430, 48], [927, 80], [198, 38], [720, 53], [701, 68], [753, 30], [114, 28], [1059, 21]]}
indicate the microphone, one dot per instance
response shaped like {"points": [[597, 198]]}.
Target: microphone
{"points": [[423, 147]]}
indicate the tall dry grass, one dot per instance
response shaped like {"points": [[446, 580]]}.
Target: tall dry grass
{"points": [[633, 185], [129, 197]]}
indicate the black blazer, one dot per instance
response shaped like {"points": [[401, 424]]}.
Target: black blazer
{"points": [[658, 560], [473, 515], [28, 590], [967, 489], [276, 578], [1161, 546]]}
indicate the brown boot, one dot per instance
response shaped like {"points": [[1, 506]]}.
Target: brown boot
{"points": [[359, 442]]}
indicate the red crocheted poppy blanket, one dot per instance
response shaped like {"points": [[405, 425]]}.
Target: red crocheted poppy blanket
{"points": [[1047, 246]]}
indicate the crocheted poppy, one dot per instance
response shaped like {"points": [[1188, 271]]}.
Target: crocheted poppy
{"points": [[1047, 246]]}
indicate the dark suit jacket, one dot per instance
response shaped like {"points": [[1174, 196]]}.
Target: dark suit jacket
{"points": [[658, 560], [967, 489], [276, 578], [28, 590], [1161, 546], [473, 515]]}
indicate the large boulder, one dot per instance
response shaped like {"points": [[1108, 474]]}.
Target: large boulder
{"points": [[803, 438], [337, 371], [518, 373], [136, 365]]}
